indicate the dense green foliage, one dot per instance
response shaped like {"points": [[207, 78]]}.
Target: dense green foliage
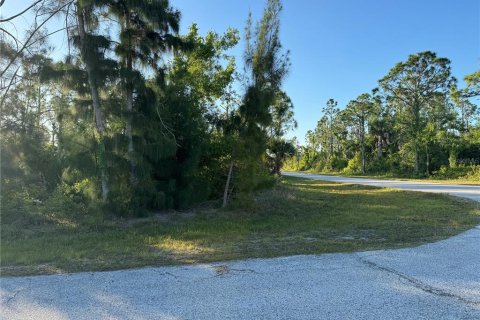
{"points": [[417, 123], [137, 117]]}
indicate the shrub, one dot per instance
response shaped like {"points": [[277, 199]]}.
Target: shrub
{"points": [[378, 166], [354, 165], [474, 173], [320, 166], [468, 172], [339, 164]]}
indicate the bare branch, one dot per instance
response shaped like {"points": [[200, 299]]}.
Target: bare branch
{"points": [[26, 44], [168, 130], [53, 32], [66, 26], [8, 88], [19, 14], [13, 37]]}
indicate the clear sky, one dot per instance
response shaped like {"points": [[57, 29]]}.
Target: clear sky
{"points": [[340, 48]]}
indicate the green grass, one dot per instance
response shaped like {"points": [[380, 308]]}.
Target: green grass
{"points": [[298, 216]]}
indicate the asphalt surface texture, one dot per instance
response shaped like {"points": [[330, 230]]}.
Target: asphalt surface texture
{"points": [[434, 281], [459, 190]]}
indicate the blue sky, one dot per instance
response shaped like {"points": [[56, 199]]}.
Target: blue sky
{"points": [[340, 48]]}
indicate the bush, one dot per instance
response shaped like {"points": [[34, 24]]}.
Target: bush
{"points": [[17, 201], [468, 172], [320, 166], [474, 173], [339, 164], [378, 166], [354, 165], [61, 204], [24, 206]]}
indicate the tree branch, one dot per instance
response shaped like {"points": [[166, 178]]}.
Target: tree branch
{"points": [[31, 36], [13, 37], [8, 88], [19, 14]]}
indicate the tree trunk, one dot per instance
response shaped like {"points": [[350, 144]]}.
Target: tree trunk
{"points": [[128, 132], [54, 129], [129, 108], [428, 161], [227, 185], [363, 149], [379, 147], [95, 102], [364, 170], [331, 146], [417, 160], [39, 105], [277, 165]]}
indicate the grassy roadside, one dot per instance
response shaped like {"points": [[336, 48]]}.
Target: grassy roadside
{"points": [[298, 216]]}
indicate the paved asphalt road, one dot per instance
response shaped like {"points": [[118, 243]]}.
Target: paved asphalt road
{"points": [[465, 191], [434, 281]]}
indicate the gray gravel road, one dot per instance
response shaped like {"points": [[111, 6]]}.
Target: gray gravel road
{"points": [[434, 281]]}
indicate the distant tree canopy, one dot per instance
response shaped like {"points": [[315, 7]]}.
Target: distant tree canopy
{"points": [[137, 117], [417, 122]]}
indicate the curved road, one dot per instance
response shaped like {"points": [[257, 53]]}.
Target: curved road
{"points": [[434, 281], [464, 191]]}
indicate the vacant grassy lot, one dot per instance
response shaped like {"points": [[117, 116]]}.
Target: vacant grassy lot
{"points": [[298, 216]]}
